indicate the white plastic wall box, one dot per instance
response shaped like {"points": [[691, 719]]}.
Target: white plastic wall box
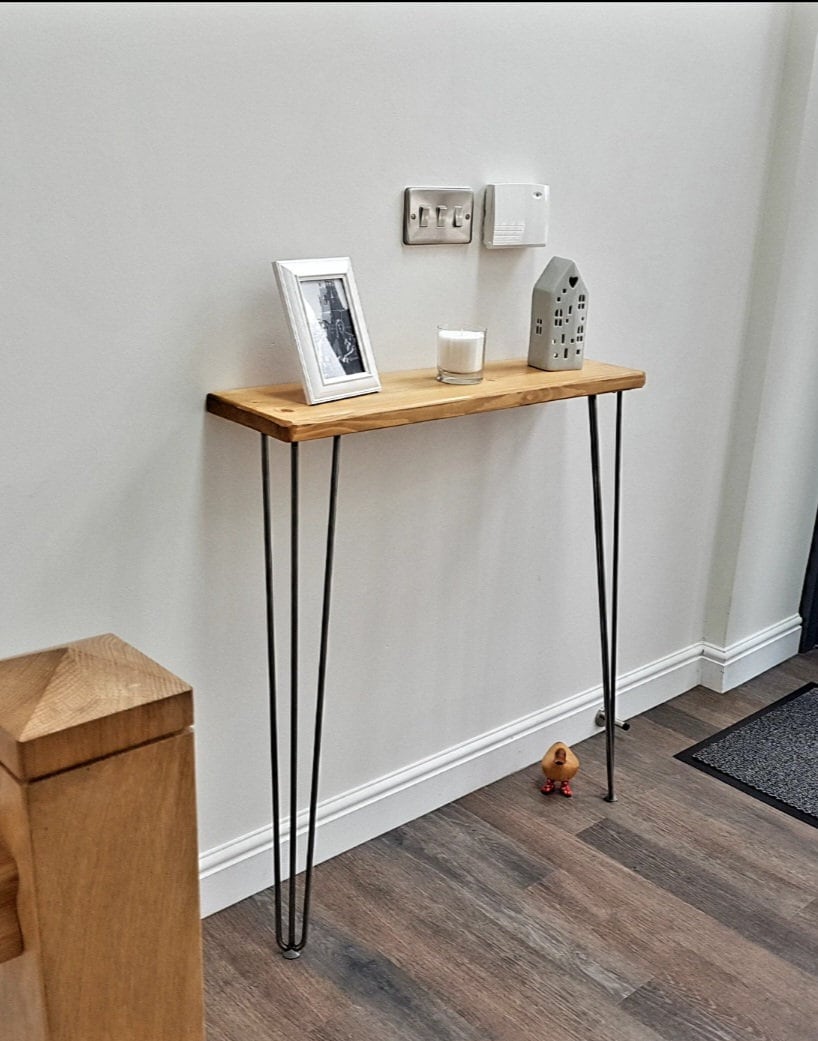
{"points": [[515, 215]]}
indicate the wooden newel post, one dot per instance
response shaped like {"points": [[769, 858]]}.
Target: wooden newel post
{"points": [[11, 939], [98, 849]]}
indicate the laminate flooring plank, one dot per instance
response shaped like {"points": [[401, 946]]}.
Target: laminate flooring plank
{"points": [[444, 941], [404, 1008], [695, 983], [438, 944], [722, 850], [808, 916], [515, 805], [526, 930], [547, 943], [790, 675], [469, 852], [590, 785], [436, 852], [366, 1024], [756, 984], [654, 925], [686, 911], [434, 949], [688, 727], [774, 867], [251, 986], [699, 886], [720, 709], [239, 1008], [530, 921], [542, 833], [649, 766], [583, 923], [645, 921], [677, 1019], [513, 960]]}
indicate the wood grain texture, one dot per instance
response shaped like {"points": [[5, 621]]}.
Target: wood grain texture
{"points": [[11, 939], [114, 849], [82, 701], [687, 911], [22, 998], [689, 877], [501, 925], [414, 396]]}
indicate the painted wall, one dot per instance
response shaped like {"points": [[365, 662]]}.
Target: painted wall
{"points": [[159, 156], [770, 489]]}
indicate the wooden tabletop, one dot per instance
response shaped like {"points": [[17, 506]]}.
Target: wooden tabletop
{"points": [[413, 396]]}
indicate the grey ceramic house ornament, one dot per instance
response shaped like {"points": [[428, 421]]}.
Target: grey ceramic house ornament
{"points": [[559, 309]]}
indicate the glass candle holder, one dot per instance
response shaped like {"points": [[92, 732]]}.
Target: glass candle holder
{"points": [[461, 354]]}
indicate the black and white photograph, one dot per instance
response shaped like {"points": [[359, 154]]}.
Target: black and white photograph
{"points": [[333, 331], [326, 319]]}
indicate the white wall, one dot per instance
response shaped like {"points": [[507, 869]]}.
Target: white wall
{"points": [[770, 489], [158, 157]]}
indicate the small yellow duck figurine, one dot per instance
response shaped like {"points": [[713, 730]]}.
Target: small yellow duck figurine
{"points": [[559, 764]]}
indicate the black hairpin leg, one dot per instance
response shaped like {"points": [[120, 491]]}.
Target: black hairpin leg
{"points": [[607, 637], [292, 943]]}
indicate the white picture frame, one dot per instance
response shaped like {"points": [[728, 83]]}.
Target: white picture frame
{"points": [[327, 323]]}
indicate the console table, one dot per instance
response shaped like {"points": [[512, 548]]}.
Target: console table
{"points": [[415, 396]]}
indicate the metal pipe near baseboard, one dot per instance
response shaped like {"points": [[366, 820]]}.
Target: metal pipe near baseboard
{"points": [[599, 719]]}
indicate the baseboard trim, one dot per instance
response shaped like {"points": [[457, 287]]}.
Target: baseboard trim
{"points": [[239, 868], [243, 866], [724, 668]]}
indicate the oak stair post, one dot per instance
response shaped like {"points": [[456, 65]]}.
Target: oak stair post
{"points": [[100, 938], [11, 939]]}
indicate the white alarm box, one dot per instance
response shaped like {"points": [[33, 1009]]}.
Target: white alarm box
{"points": [[515, 215]]}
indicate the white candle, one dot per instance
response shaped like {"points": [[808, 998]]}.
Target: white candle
{"points": [[460, 350]]}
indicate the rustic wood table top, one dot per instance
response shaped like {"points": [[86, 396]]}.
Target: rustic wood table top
{"points": [[413, 396]]}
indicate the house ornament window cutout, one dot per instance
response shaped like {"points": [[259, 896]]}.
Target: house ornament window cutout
{"points": [[559, 318]]}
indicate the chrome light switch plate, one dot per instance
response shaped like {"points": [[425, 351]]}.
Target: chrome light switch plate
{"points": [[437, 216]]}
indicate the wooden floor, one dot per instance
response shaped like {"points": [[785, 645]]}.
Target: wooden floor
{"points": [[687, 911]]}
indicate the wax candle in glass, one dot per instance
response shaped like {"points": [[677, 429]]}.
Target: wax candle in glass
{"points": [[460, 354]]}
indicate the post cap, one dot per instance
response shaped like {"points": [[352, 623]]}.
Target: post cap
{"points": [[84, 700]]}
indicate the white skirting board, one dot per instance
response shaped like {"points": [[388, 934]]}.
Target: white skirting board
{"points": [[724, 668], [243, 866]]}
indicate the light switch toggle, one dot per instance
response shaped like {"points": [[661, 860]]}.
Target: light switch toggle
{"points": [[437, 216]]}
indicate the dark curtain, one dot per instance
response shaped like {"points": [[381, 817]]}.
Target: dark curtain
{"points": [[809, 598]]}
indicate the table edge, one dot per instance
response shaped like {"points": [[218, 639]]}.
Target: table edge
{"points": [[325, 420]]}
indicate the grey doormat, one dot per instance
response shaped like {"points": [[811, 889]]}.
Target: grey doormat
{"points": [[771, 755]]}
